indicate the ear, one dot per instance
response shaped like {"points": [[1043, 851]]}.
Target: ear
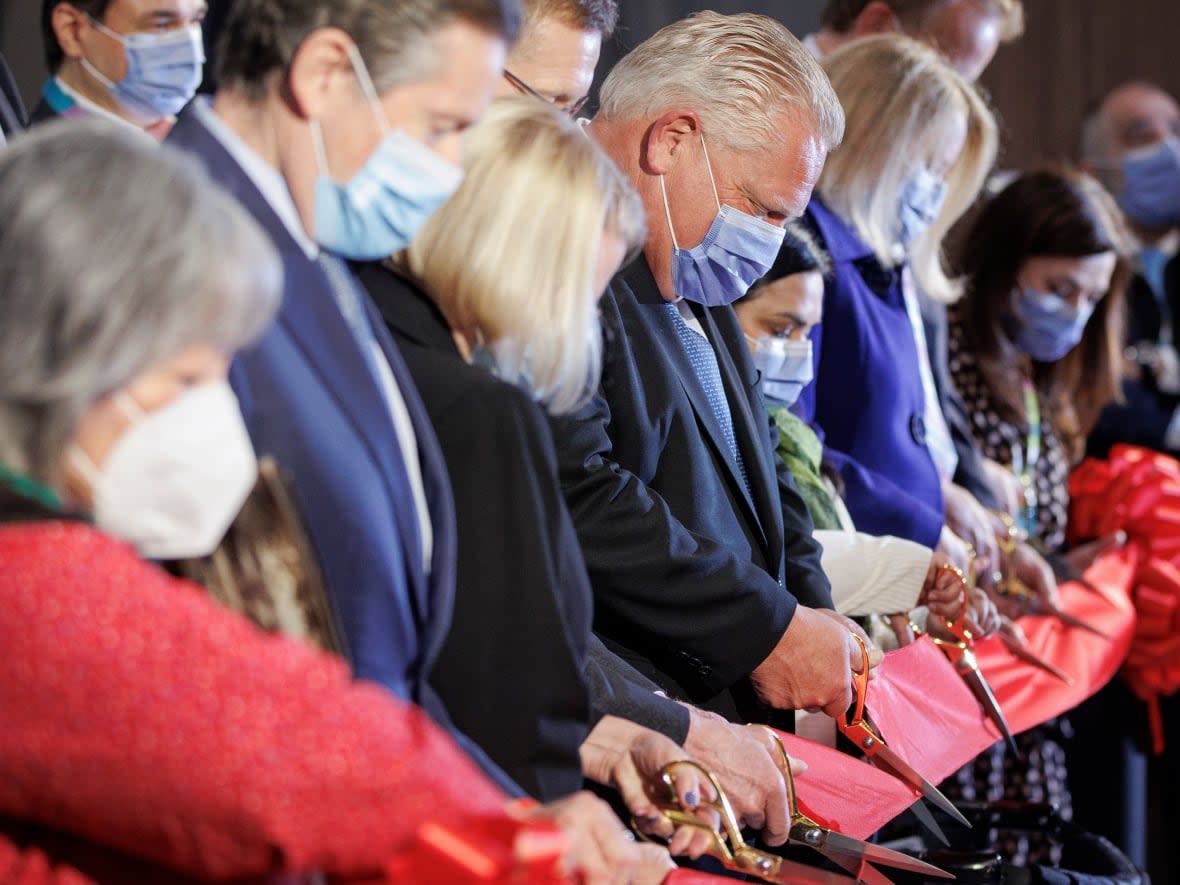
{"points": [[321, 73], [67, 22], [876, 18], [667, 139]]}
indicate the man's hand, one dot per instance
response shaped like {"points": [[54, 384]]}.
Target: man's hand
{"points": [[631, 758], [811, 667], [747, 764], [1005, 485], [1032, 570], [974, 524]]}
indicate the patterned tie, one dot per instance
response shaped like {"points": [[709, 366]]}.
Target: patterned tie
{"points": [[704, 366]]}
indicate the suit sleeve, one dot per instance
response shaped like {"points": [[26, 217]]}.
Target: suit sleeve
{"points": [[656, 583], [618, 689]]}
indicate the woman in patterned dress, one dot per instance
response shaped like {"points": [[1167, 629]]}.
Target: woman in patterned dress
{"points": [[1035, 352]]}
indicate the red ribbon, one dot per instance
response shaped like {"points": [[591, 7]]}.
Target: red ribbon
{"points": [[1138, 491]]}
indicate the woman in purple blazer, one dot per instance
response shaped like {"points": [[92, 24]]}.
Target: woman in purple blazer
{"points": [[918, 145]]}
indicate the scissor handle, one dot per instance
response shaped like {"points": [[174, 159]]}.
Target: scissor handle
{"points": [[860, 686], [1012, 534], [958, 627], [784, 765], [678, 816]]}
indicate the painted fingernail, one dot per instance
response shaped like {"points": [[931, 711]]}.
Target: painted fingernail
{"points": [[692, 799]]}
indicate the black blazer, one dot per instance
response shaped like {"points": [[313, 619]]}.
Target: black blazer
{"points": [[695, 581], [511, 669], [520, 671], [12, 110]]}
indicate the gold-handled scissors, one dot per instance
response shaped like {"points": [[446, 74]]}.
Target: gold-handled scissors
{"points": [[1013, 588], [851, 854], [859, 728], [728, 846], [960, 652]]}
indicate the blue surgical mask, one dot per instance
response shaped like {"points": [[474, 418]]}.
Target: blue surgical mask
{"points": [[1151, 184], [918, 204], [163, 71], [1046, 326], [737, 251], [381, 208], [786, 367]]}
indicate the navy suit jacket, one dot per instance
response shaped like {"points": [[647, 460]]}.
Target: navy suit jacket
{"points": [[310, 400], [867, 397], [695, 579]]}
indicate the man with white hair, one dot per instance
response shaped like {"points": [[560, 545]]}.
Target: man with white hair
{"points": [[705, 574]]}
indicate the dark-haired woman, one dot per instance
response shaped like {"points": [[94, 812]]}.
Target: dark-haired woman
{"points": [[1035, 350]]}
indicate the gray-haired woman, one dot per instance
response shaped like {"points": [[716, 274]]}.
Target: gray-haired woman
{"points": [[152, 731]]}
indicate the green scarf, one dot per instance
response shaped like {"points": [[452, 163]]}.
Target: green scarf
{"points": [[803, 453]]}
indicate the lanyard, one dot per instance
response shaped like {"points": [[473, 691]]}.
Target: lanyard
{"points": [[1024, 462]]}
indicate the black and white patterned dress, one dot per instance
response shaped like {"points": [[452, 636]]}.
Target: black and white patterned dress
{"points": [[997, 774]]}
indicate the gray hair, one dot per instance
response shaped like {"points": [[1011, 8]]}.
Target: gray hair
{"points": [[739, 72], [116, 254]]}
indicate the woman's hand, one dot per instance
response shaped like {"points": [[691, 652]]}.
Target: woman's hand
{"points": [[631, 758], [942, 593]]}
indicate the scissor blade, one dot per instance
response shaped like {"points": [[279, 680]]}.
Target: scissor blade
{"points": [[926, 819], [1074, 621], [901, 769], [786, 872], [834, 844], [987, 699], [1021, 651], [862, 870]]}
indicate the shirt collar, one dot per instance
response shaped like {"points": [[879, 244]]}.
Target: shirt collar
{"points": [[68, 102], [265, 177]]}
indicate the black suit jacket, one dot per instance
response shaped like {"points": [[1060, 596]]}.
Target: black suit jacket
{"points": [[1143, 418], [12, 110], [695, 580], [514, 669]]}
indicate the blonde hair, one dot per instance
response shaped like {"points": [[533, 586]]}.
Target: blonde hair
{"points": [[739, 72], [512, 255], [900, 99]]}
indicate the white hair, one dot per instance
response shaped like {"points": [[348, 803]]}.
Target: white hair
{"points": [[741, 73], [116, 254]]}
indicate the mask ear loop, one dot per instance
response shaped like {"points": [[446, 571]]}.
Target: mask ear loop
{"points": [[366, 83], [712, 183]]}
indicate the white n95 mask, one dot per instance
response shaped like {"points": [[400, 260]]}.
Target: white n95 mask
{"points": [[175, 480]]}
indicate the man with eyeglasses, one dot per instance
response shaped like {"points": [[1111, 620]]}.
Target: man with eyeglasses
{"points": [[136, 62], [555, 57]]}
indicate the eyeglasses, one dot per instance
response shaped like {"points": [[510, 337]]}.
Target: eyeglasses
{"points": [[524, 88]]}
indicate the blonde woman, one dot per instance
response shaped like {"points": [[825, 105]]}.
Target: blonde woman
{"points": [[495, 307], [918, 145]]}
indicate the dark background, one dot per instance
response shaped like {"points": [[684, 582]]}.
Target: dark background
{"points": [[1073, 52]]}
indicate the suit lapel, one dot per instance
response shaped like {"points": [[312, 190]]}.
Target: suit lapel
{"points": [[313, 321], [643, 284]]}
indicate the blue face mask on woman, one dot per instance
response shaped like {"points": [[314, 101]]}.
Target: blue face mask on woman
{"points": [[381, 208], [1045, 326], [786, 367], [918, 204], [163, 71], [737, 251], [1151, 184]]}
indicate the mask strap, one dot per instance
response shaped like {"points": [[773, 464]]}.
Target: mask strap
{"points": [[97, 74], [366, 83], [114, 35], [131, 410], [317, 144], [668, 213], [709, 169]]}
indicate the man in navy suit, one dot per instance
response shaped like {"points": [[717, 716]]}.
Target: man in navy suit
{"points": [[338, 124], [706, 577]]}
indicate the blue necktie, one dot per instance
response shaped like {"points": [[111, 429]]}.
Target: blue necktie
{"points": [[704, 366]]}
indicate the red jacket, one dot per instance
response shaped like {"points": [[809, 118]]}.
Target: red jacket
{"points": [[140, 715]]}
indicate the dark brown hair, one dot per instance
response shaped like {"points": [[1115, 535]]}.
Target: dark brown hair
{"points": [[599, 16], [1046, 213], [96, 9]]}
